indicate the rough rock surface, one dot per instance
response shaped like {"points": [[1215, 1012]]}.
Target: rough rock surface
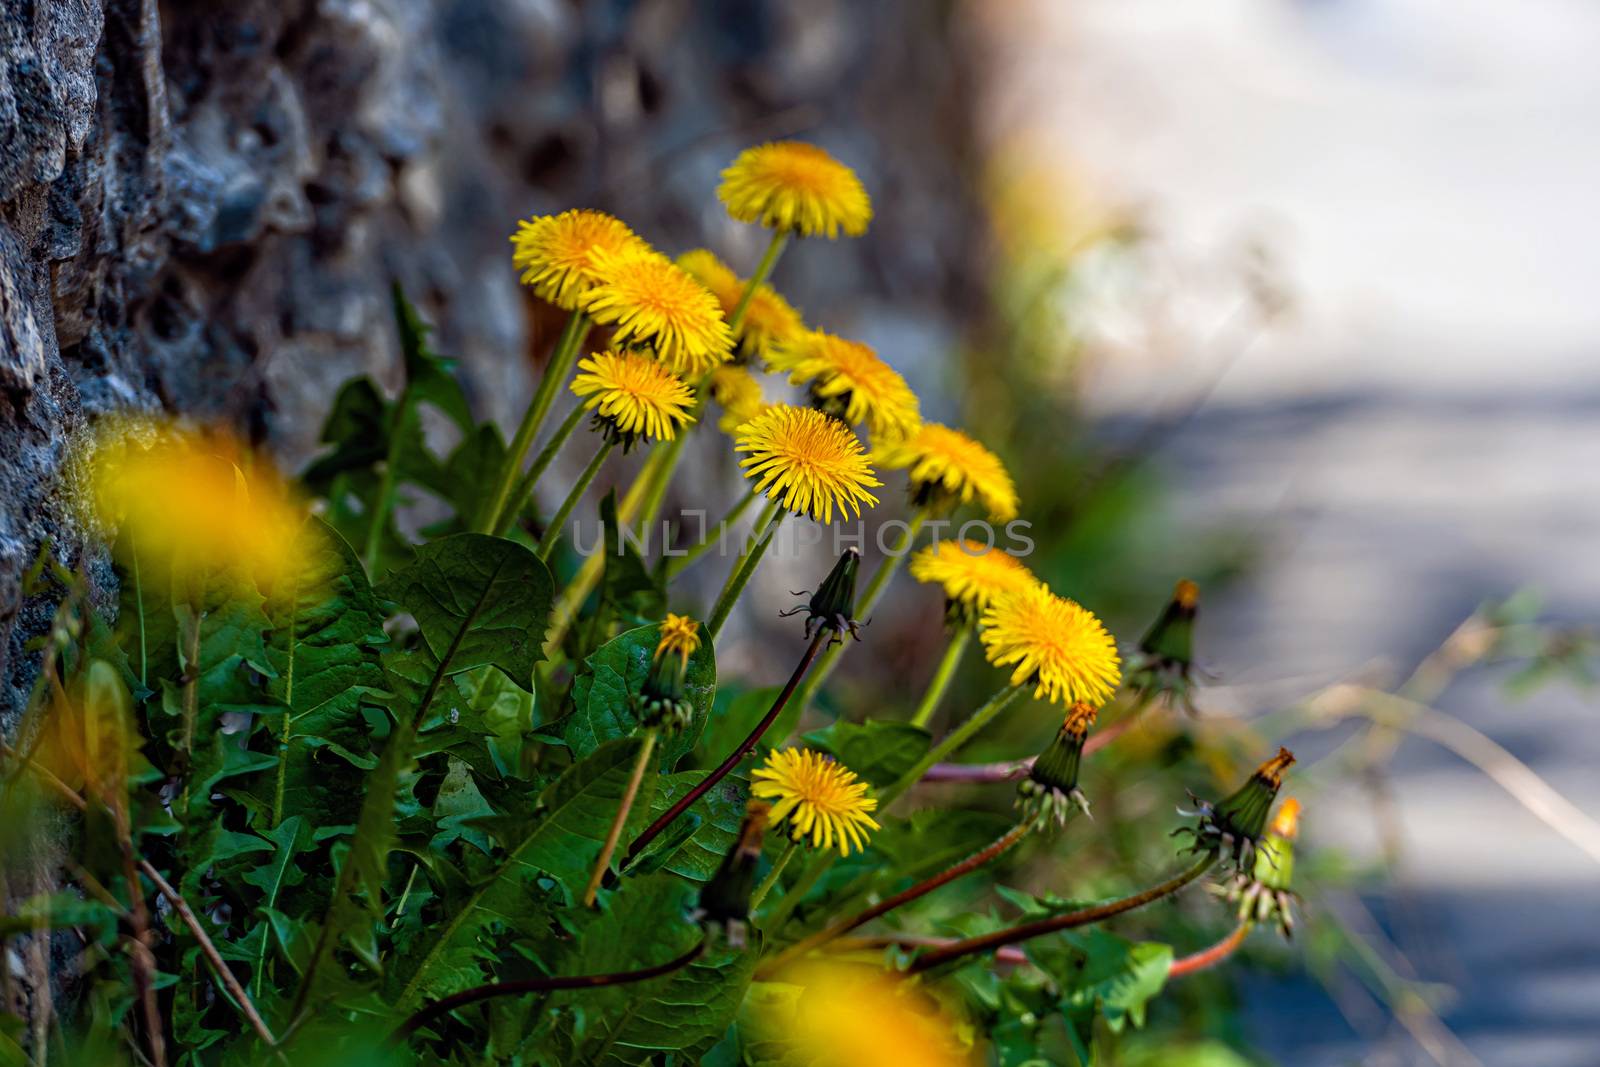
{"points": [[202, 202]]}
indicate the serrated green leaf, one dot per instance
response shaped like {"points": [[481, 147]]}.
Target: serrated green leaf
{"points": [[878, 751], [605, 691], [717, 817], [1098, 971]]}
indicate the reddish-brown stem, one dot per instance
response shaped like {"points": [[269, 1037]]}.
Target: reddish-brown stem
{"points": [[735, 757], [429, 1012], [1083, 917], [165, 888], [1006, 770], [888, 904], [1209, 957], [1009, 955]]}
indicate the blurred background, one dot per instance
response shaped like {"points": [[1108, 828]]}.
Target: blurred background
{"points": [[1291, 297]]}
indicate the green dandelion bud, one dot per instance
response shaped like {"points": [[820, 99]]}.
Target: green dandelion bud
{"points": [[1234, 826], [725, 900], [663, 703], [833, 604], [1050, 793], [1164, 665], [1265, 894]]}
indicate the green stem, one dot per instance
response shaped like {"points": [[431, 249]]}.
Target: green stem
{"points": [[555, 373], [766, 529], [864, 605], [769, 259], [391, 472], [678, 564], [1083, 917], [541, 463], [625, 805], [950, 743], [552, 533], [942, 677], [772, 876]]}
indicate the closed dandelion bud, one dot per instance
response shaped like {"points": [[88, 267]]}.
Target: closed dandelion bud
{"points": [[1050, 793], [1234, 826], [663, 703], [831, 607], [1165, 661], [1265, 894], [725, 900]]}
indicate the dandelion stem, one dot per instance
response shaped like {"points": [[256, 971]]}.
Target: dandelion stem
{"points": [[555, 373], [541, 463], [952, 741], [678, 564], [646, 750], [1210, 957], [769, 259], [942, 676], [869, 598], [978, 859], [383, 503], [766, 529], [1006, 770], [552, 532], [432, 1011], [735, 757], [771, 879], [1072, 919]]}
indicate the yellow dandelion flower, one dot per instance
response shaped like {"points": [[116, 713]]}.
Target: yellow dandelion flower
{"points": [[855, 1015], [796, 188], [948, 468], [822, 799], [738, 393], [195, 501], [556, 253], [1286, 823], [769, 320], [974, 575], [1053, 644], [649, 300], [680, 636], [849, 380], [634, 394], [809, 461]]}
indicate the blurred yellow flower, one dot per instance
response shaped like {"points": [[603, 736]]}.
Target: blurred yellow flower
{"points": [[649, 300], [972, 573], [738, 394], [770, 320], [680, 636], [634, 394], [844, 1015], [808, 460], [822, 799], [1053, 644], [849, 380], [195, 501], [556, 253], [948, 468], [796, 188]]}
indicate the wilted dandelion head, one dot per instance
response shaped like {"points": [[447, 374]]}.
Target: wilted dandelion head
{"points": [[947, 468], [196, 501], [680, 637], [820, 798], [797, 188], [843, 1015], [807, 460], [556, 253], [974, 575], [634, 395], [738, 394], [1053, 644], [649, 300], [849, 380]]}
